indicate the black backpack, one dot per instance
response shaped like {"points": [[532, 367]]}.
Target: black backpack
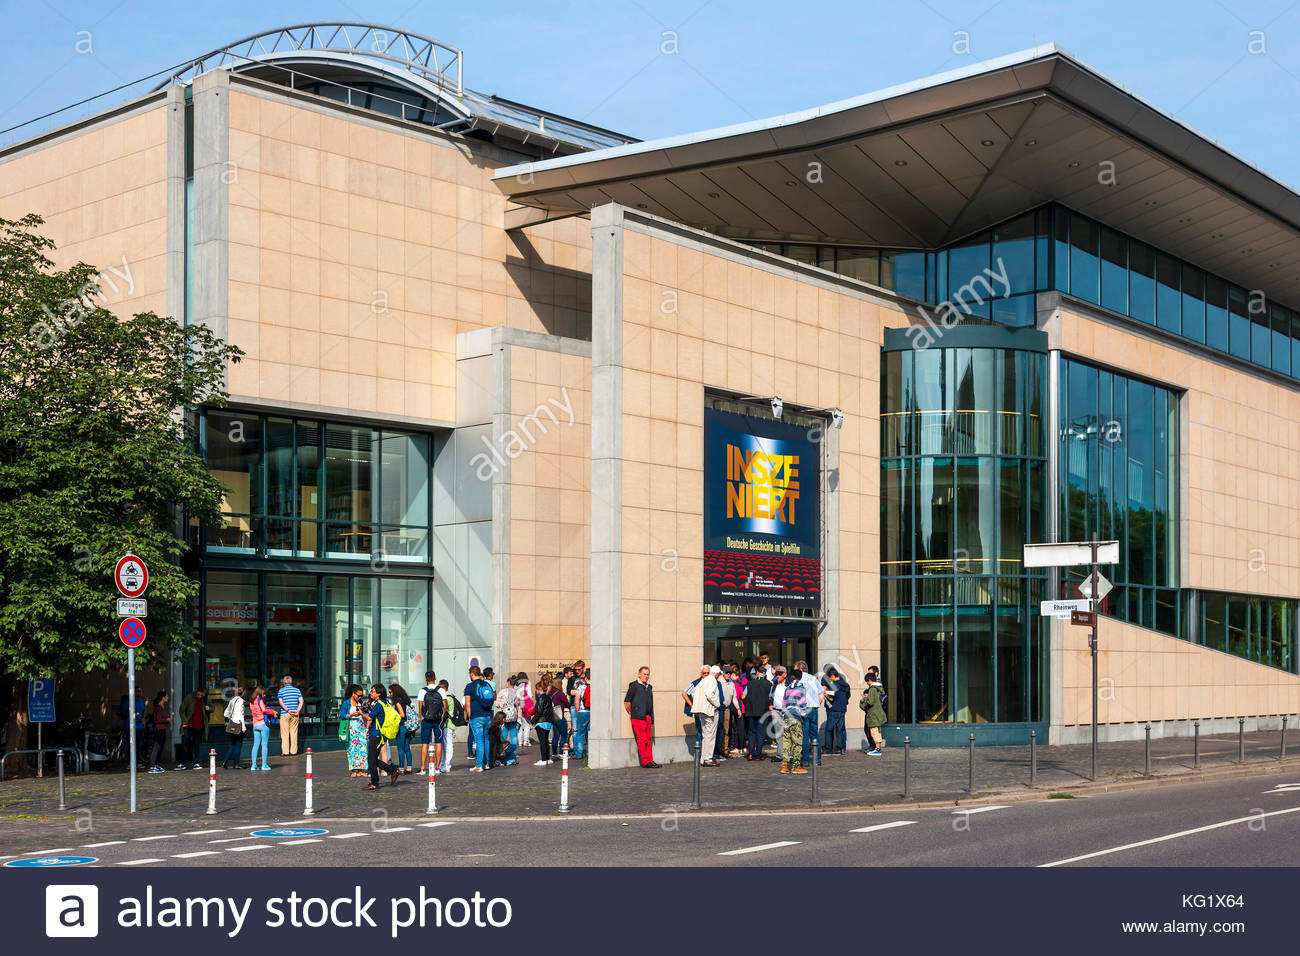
{"points": [[457, 712], [435, 708]]}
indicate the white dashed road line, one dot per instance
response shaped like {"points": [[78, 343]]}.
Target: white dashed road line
{"points": [[300, 842], [884, 826], [138, 862], [190, 856], [1170, 836], [164, 836], [255, 826], [200, 832], [345, 836], [996, 806], [91, 846], [62, 849], [437, 823], [233, 839], [391, 830], [755, 849], [247, 846]]}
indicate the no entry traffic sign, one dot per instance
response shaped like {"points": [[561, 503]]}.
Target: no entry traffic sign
{"points": [[131, 631], [131, 576]]}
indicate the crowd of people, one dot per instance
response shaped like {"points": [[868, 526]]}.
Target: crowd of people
{"points": [[740, 709], [380, 725]]}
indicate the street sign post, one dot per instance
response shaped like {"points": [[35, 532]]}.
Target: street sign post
{"points": [[40, 711], [131, 576], [1063, 609], [1061, 554]]}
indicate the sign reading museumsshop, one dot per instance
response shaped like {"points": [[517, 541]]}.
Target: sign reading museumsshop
{"points": [[762, 513]]}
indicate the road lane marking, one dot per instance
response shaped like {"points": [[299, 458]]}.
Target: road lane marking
{"points": [[248, 846], [200, 832], [300, 842], [233, 839], [883, 826], [756, 849], [437, 823], [165, 836], [88, 846], [190, 856], [137, 862], [255, 826], [996, 806], [345, 836], [1171, 836], [391, 830], [62, 849]]}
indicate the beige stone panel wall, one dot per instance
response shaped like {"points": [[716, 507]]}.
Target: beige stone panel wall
{"points": [[359, 249], [1241, 513], [1144, 675], [103, 195], [550, 509], [694, 320]]}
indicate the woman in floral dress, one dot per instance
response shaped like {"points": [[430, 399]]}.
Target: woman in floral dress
{"points": [[353, 713]]}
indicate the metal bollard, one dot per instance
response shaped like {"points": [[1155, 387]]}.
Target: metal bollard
{"points": [[1241, 740], [1147, 771], [63, 801], [433, 795], [212, 781], [695, 782], [1282, 749], [1033, 758], [907, 769], [564, 780], [1196, 745], [308, 811], [970, 786], [815, 752]]}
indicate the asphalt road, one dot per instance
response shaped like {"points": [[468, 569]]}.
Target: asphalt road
{"points": [[1252, 821]]}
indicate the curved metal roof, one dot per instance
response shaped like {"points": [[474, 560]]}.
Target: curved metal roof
{"points": [[432, 70]]}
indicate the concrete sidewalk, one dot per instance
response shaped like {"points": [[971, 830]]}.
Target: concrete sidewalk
{"points": [[854, 780]]}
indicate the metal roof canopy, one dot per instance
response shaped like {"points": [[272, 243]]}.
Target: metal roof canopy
{"points": [[923, 164]]}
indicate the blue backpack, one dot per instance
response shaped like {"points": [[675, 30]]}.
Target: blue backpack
{"points": [[484, 692]]}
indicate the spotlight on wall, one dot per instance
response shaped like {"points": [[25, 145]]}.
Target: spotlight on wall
{"points": [[777, 406], [837, 418]]}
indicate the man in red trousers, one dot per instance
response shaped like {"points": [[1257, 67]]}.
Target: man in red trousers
{"points": [[640, 706]]}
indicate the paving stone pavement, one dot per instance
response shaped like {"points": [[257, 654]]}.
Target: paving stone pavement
{"points": [[855, 779]]}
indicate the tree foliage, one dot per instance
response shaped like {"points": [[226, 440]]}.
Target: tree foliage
{"points": [[97, 457]]}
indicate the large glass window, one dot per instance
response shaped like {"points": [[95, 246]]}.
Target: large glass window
{"points": [[1114, 271], [1085, 277], [232, 651], [1169, 299], [233, 446]]}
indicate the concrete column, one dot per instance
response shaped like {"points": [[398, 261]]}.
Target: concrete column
{"points": [[212, 176], [830, 639], [176, 238], [608, 746]]}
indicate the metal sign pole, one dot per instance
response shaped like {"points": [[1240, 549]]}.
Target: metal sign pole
{"points": [[1093, 644], [130, 714], [40, 756]]}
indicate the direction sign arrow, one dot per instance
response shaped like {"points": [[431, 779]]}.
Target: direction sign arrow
{"points": [[1103, 587]]}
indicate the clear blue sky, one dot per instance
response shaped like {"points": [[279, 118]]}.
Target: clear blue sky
{"points": [[737, 59]]}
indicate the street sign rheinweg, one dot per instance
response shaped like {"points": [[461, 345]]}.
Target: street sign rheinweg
{"points": [[131, 631], [1063, 609], [131, 576]]}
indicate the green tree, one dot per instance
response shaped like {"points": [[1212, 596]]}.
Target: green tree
{"points": [[97, 457]]}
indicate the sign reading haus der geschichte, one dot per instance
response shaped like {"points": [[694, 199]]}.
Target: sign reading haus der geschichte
{"points": [[762, 514]]}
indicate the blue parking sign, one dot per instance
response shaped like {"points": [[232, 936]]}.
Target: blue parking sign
{"points": [[40, 700]]}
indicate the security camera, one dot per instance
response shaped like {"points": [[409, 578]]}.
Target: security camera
{"points": [[777, 406], [837, 418]]}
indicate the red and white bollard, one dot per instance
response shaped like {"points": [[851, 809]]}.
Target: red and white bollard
{"points": [[433, 796], [564, 779], [212, 781], [308, 811]]}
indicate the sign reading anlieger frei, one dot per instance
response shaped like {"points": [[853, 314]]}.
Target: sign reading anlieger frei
{"points": [[762, 512]]}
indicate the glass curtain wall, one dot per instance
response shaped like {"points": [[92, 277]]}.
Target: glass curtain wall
{"points": [[963, 487], [1119, 478]]}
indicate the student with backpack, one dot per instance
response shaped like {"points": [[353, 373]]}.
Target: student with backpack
{"points": [[409, 727], [524, 695], [544, 717], [429, 704], [479, 697], [382, 722], [872, 703], [454, 716]]}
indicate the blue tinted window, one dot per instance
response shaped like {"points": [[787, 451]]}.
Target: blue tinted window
{"points": [[1295, 344], [1169, 301], [909, 274], [1085, 275], [1260, 339], [1216, 313], [1142, 282], [1280, 320], [968, 280], [1061, 249], [1013, 254], [1238, 323], [1114, 271], [1193, 303], [1016, 311], [1043, 244]]}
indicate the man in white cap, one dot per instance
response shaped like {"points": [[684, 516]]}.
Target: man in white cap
{"points": [[704, 706]]}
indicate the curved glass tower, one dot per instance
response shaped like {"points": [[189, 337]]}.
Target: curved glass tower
{"points": [[963, 488]]}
